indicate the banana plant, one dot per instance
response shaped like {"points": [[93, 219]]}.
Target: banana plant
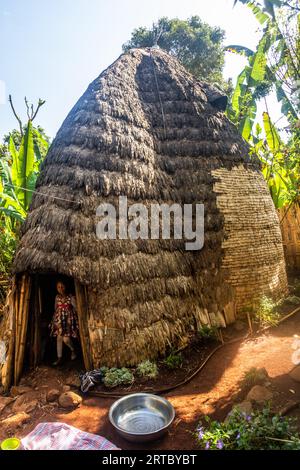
{"points": [[280, 163], [280, 160], [243, 106], [259, 76], [11, 204], [19, 172]]}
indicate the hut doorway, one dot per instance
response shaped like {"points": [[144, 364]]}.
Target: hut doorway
{"points": [[40, 346]]}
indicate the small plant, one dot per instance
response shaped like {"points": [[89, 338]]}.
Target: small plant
{"points": [[253, 377], [147, 369], [266, 313], [173, 360], [260, 430], [115, 377], [208, 333], [104, 370]]}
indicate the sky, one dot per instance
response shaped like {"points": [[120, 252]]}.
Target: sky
{"points": [[53, 49]]}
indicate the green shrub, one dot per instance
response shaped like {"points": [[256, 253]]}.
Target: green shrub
{"points": [[253, 377], [260, 430], [173, 361], [115, 377], [208, 333], [104, 370], [266, 313], [147, 369]]}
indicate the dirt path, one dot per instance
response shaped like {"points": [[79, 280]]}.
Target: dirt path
{"points": [[212, 391]]}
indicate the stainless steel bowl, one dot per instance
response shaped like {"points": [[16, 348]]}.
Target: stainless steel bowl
{"points": [[141, 417]]}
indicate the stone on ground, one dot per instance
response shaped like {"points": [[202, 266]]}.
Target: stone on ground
{"points": [[53, 394], [4, 401], [295, 373], [69, 400], [259, 394], [25, 403], [15, 421], [244, 407]]}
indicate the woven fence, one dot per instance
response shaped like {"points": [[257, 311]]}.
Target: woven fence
{"points": [[290, 228]]}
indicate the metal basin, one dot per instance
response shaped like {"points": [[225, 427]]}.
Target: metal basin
{"points": [[141, 417]]}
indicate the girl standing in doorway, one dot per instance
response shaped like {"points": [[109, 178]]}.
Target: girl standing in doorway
{"points": [[64, 325]]}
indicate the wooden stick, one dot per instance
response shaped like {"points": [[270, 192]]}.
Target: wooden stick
{"points": [[36, 347], [83, 329], [19, 302], [23, 332], [40, 300], [19, 320], [249, 323], [221, 335], [7, 374], [277, 439]]}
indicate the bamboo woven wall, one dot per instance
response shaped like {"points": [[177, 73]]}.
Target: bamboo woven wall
{"points": [[252, 248], [290, 228]]}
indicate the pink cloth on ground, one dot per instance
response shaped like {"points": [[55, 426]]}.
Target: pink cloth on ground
{"points": [[61, 436]]}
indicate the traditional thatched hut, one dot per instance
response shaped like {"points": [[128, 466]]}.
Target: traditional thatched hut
{"points": [[147, 129]]}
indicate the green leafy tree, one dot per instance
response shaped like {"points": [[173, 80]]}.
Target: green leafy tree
{"points": [[197, 45]]}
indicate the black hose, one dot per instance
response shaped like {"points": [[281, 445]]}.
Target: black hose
{"points": [[196, 372]]}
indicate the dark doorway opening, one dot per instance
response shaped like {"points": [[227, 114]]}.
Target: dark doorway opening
{"points": [[40, 346]]}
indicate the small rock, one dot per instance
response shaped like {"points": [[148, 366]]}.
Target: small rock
{"points": [[66, 388], [15, 421], [19, 390], [30, 406], [53, 395], [259, 393], [295, 373], [4, 401], [24, 403], [244, 407], [69, 400]]}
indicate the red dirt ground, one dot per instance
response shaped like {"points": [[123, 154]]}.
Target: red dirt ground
{"points": [[213, 391]]}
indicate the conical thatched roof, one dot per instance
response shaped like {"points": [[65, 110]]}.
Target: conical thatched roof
{"points": [[147, 129]]}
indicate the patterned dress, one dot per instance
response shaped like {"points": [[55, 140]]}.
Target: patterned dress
{"points": [[65, 320]]}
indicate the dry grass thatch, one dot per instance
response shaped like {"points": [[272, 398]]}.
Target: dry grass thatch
{"points": [[147, 129]]}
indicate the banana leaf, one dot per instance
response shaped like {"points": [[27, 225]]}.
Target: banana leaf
{"points": [[22, 167], [272, 136]]}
